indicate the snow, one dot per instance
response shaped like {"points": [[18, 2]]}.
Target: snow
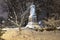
{"points": [[29, 25]]}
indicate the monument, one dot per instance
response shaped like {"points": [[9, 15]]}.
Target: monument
{"points": [[32, 21]]}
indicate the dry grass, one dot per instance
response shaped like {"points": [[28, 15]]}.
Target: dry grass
{"points": [[52, 22], [28, 34]]}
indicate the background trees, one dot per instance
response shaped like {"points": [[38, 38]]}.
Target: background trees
{"points": [[45, 9]]}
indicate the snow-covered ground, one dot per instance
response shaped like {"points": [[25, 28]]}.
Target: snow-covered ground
{"points": [[13, 28], [10, 28], [58, 27]]}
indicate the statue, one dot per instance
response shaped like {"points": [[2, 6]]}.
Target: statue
{"points": [[32, 23], [32, 16]]}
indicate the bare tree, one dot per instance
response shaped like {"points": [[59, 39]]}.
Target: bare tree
{"points": [[16, 16]]}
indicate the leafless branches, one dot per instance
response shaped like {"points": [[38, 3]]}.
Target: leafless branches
{"points": [[16, 17]]}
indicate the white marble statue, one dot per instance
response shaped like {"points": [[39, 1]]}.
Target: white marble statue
{"points": [[32, 10], [32, 16], [32, 23]]}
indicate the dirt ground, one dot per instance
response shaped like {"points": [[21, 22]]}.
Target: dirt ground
{"points": [[28, 34]]}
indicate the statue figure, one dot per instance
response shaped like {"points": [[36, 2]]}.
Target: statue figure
{"points": [[32, 10], [32, 18]]}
